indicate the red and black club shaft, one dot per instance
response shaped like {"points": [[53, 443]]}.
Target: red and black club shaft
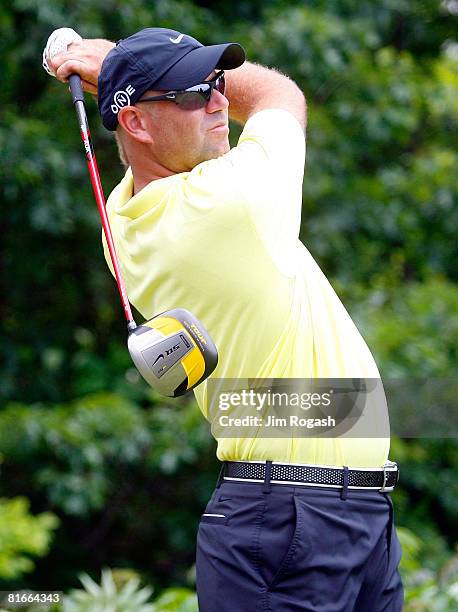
{"points": [[78, 100]]}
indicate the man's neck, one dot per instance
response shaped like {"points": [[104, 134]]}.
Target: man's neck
{"points": [[144, 174]]}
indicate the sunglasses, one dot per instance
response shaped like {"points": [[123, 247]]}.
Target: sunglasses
{"points": [[194, 97]]}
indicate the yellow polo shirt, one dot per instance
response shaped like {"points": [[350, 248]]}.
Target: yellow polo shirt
{"points": [[222, 241]]}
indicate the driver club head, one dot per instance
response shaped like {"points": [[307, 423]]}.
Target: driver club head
{"points": [[173, 352]]}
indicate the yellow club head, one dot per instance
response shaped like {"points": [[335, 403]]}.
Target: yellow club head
{"points": [[173, 352]]}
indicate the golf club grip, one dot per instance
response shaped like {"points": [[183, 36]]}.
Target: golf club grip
{"points": [[78, 100], [76, 88]]}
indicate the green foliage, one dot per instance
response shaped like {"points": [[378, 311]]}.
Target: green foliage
{"points": [[81, 450], [80, 434], [119, 592], [85, 443], [426, 500], [412, 328], [426, 590], [109, 467], [379, 190], [433, 598], [176, 600], [109, 596], [22, 535]]}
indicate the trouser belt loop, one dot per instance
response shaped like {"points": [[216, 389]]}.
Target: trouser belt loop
{"points": [[344, 492], [267, 485], [221, 475]]}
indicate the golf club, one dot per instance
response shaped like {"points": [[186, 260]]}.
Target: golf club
{"points": [[172, 351]]}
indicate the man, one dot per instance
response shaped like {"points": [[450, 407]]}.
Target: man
{"points": [[215, 231]]}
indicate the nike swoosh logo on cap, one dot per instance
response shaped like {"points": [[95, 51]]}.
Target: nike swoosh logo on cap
{"points": [[177, 39]]}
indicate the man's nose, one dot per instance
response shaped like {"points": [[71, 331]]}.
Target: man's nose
{"points": [[217, 102]]}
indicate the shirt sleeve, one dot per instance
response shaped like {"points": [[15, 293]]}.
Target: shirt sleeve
{"points": [[269, 167], [271, 155], [263, 174]]}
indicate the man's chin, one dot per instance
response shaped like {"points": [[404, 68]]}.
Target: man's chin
{"points": [[217, 152]]}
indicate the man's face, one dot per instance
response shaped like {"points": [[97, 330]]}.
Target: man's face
{"points": [[184, 138]]}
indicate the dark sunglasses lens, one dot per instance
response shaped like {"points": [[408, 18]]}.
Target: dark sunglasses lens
{"points": [[191, 100], [220, 84], [194, 97]]}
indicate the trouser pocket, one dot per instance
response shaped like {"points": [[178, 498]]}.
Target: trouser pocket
{"points": [[225, 577], [281, 536], [215, 518]]}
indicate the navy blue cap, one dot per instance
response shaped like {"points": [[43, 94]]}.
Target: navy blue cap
{"points": [[160, 59]]}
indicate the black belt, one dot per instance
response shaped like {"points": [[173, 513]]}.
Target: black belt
{"points": [[383, 479]]}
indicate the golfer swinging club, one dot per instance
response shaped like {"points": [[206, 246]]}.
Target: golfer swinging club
{"points": [[294, 523]]}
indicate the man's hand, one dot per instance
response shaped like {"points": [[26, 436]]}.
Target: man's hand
{"points": [[84, 58]]}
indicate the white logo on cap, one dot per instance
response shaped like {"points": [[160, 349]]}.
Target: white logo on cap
{"points": [[177, 40], [122, 98]]}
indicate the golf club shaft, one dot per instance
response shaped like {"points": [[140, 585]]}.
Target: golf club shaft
{"points": [[78, 100]]}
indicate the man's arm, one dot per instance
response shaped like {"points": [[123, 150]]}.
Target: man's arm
{"points": [[252, 88]]}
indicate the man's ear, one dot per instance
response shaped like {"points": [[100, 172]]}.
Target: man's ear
{"points": [[136, 123]]}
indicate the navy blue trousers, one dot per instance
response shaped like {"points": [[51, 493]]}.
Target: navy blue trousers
{"points": [[297, 548]]}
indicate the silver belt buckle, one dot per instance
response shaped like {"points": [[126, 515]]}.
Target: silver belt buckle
{"points": [[389, 466]]}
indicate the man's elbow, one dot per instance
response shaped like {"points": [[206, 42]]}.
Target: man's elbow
{"points": [[303, 122], [300, 107]]}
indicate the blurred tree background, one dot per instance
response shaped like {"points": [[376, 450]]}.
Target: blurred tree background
{"points": [[97, 471]]}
